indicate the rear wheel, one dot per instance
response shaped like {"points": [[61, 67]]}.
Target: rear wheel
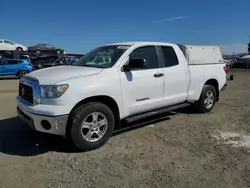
{"points": [[22, 73], [207, 99], [92, 125]]}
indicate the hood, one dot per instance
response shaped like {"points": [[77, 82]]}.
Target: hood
{"points": [[49, 76]]}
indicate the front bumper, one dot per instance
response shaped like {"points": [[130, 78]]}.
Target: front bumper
{"points": [[57, 123]]}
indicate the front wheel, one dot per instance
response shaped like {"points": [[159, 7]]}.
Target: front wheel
{"points": [[22, 73], [19, 49], [59, 51], [207, 99], [92, 125]]}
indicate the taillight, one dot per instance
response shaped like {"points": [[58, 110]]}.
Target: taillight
{"points": [[226, 69], [31, 64]]}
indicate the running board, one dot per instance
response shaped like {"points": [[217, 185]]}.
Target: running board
{"points": [[155, 112]]}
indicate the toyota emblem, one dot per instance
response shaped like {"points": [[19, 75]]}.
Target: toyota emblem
{"points": [[23, 91]]}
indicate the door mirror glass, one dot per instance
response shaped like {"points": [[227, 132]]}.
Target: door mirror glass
{"points": [[135, 63]]}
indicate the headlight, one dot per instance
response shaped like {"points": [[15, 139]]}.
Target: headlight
{"points": [[53, 91]]}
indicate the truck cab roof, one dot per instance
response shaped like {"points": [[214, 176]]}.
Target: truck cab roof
{"points": [[131, 43]]}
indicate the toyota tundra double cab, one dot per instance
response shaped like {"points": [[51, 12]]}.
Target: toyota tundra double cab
{"points": [[88, 100]]}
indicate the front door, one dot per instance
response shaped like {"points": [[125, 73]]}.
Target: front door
{"points": [[142, 89], [8, 45]]}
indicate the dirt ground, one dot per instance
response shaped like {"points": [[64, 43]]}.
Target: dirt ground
{"points": [[180, 149]]}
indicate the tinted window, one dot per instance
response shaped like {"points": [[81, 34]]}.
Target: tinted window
{"points": [[170, 58], [149, 54], [1, 41], [7, 42], [49, 46], [2, 62], [12, 62], [40, 46]]}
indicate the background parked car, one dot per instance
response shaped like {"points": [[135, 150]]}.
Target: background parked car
{"points": [[44, 61], [8, 45], [45, 48], [15, 67]]}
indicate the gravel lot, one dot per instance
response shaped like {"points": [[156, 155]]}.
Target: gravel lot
{"points": [[181, 149]]}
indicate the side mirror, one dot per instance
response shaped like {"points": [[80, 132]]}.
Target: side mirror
{"points": [[135, 63]]}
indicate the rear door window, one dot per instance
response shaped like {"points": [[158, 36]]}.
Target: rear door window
{"points": [[12, 62], [170, 57]]}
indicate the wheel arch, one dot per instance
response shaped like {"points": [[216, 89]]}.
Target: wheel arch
{"points": [[107, 100], [19, 47], [19, 70], [213, 82]]}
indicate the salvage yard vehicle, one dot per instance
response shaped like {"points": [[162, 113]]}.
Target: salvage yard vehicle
{"points": [[39, 48], [44, 61], [7, 45], [88, 101], [15, 67]]}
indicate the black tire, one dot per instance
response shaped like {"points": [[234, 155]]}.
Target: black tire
{"points": [[19, 49], [200, 104], [22, 73], [59, 51], [79, 115], [39, 66]]}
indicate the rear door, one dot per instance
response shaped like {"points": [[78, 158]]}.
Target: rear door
{"points": [[11, 67], [176, 77]]}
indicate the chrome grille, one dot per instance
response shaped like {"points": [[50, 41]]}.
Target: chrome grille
{"points": [[29, 90], [26, 92]]}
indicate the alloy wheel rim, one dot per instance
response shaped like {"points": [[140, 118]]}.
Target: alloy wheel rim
{"points": [[94, 127], [209, 99]]}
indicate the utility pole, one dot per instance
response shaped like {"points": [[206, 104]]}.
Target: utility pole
{"points": [[249, 45]]}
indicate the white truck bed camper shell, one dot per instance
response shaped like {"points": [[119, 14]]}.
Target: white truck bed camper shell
{"points": [[200, 55]]}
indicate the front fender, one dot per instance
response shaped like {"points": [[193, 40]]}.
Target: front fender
{"points": [[91, 86]]}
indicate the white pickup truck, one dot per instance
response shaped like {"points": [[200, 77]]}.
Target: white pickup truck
{"points": [[88, 100]]}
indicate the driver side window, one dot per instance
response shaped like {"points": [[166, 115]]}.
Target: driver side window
{"points": [[149, 54]]}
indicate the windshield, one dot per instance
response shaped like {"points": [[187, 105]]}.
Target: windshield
{"points": [[102, 57]]}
